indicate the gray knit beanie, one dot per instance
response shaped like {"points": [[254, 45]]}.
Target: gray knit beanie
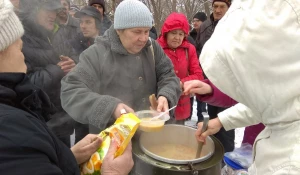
{"points": [[11, 28], [131, 14]]}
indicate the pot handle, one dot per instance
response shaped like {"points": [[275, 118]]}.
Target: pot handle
{"points": [[193, 171]]}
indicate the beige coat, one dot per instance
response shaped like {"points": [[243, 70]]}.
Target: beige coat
{"points": [[256, 47]]}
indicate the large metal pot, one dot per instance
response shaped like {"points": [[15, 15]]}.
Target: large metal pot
{"points": [[151, 165], [184, 136]]}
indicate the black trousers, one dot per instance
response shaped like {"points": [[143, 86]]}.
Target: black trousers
{"points": [[225, 137]]}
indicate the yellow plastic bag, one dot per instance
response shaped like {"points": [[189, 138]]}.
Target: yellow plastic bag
{"points": [[122, 131]]}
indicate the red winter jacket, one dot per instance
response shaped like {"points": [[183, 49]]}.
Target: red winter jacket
{"points": [[184, 59]]}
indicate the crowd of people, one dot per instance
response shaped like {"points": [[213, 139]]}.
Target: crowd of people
{"points": [[65, 69]]}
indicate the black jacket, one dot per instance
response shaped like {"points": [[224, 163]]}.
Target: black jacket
{"points": [[206, 30], [193, 34], [153, 33], [80, 43], [27, 146], [105, 24], [41, 60]]}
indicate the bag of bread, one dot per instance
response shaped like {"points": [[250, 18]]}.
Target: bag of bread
{"points": [[122, 131]]}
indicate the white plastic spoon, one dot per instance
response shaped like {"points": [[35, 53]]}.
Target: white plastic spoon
{"points": [[157, 117]]}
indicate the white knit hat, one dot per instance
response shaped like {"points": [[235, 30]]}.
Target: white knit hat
{"points": [[11, 28], [132, 13]]}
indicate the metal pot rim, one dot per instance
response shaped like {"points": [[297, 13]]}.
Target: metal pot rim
{"points": [[173, 161]]}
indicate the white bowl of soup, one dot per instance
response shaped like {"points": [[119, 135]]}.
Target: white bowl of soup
{"points": [[148, 124]]}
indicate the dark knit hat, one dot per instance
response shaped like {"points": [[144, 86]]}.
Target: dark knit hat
{"points": [[100, 2], [201, 16], [228, 2], [90, 11]]}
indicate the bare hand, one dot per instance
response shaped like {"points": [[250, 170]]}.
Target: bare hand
{"points": [[213, 127], [196, 87], [120, 106], [66, 64], [162, 104], [120, 165], [86, 147]]}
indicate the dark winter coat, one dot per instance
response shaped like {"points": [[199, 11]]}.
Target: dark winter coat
{"points": [[184, 59], [43, 71], [27, 145], [81, 43], [206, 30], [62, 38], [105, 24], [193, 34], [153, 33]]}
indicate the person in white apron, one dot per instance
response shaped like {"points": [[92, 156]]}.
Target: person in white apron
{"points": [[254, 57]]}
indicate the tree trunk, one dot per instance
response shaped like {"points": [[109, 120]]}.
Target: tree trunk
{"points": [[206, 7], [114, 5], [174, 4]]}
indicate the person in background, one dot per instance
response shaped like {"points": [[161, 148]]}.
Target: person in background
{"points": [[45, 66], [68, 26], [207, 28], [153, 33], [198, 19], [100, 6], [120, 71], [90, 26], [173, 40], [73, 10], [68, 30], [25, 139], [261, 72]]}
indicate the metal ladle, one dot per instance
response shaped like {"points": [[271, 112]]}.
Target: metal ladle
{"points": [[204, 127]]}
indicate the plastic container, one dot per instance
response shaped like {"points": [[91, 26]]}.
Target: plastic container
{"points": [[149, 125], [232, 164]]}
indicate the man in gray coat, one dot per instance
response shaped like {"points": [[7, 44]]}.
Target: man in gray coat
{"points": [[123, 68]]}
